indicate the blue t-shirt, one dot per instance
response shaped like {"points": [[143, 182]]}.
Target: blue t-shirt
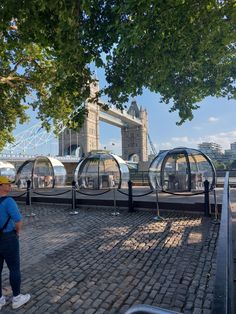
{"points": [[8, 207]]}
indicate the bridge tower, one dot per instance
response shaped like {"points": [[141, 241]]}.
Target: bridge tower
{"points": [[134, 138], [133, 124], [87, 139]]}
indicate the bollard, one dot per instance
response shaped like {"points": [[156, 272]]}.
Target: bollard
{"points": [[130, 195], [28, 198], [73, 198], [73, 195], [28, 194], [206, 198]]}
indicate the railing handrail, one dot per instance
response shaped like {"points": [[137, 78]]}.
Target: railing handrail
{"points": [[223, 282]]}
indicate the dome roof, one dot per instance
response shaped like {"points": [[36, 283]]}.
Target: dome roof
{"points": [[181, 170]]}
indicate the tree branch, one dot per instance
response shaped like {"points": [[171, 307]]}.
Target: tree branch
{"points": [[11, 79], [17, 64], [22, 60]]}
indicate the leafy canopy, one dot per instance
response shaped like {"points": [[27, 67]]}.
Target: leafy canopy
{"points": [[183, 49]]}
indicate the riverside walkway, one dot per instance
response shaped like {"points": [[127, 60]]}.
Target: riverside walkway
{"points": [[98, 263]]}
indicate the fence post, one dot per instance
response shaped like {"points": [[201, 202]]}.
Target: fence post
{"points": [[206, 198], [28, 194], [116, 211], [216, 207], [73, 195], [131, 204]]}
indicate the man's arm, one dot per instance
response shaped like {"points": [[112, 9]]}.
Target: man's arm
{"points": [[18, 226]]}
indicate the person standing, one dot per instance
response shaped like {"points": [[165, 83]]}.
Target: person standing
{"points": [[10, 226]]}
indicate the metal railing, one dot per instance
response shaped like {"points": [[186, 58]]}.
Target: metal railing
{"points": [[141, 177], [88, 197], [223, 296]]}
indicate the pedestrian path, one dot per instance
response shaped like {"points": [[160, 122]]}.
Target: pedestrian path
{"points": [[98, 263]]}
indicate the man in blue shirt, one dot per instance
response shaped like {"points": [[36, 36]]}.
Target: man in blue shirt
{"points": [[10, 226]]}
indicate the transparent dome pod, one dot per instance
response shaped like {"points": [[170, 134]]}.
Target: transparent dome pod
{"points": [[7, 170], [101, 171], [44, 172], [182, 170]]}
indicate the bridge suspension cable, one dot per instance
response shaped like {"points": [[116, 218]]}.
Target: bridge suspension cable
{"points": [[31, 138], [153, 149]]}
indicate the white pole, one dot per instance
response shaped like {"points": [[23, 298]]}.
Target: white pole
{"points": [[157, 217], [116, 212]]}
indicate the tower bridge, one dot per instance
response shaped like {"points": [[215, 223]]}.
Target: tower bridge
{"points": [[132, 122], [118, 118]]}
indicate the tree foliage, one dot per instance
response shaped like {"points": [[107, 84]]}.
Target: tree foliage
{"points": [[219, 165], [182, 49]]}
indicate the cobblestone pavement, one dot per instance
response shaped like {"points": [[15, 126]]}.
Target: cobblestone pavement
{"points": [[95, 262]]}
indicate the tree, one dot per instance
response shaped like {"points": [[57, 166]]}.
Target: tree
{"points": [[41, 64], [219, 165], [183, 49]]}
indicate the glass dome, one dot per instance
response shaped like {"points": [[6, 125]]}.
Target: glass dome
{"points": [[7, 170], [181, 170], [44, 172], [102, 170]]}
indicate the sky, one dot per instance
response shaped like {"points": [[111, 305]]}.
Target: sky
{"points": [[214, 121]]}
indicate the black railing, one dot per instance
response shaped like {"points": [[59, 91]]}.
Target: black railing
{"points": [[129, 201], [223, 296], [139, 177], [222, 173]]}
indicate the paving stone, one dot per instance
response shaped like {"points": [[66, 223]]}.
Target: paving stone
{"points": [[189, 305], [90, 311], [179, 303], [207, 304], [198, 303]]}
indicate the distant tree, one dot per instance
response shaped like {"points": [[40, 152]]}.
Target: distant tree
{"points": [[219, 165], [183, 49]]}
